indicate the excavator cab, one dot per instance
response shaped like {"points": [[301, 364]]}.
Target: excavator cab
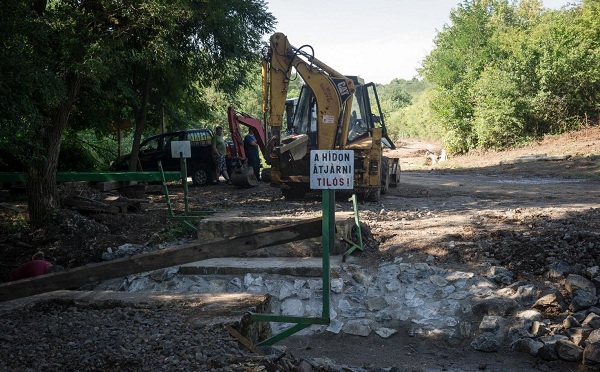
{"points": [[304, 119], [290, 107], [366, 114]]}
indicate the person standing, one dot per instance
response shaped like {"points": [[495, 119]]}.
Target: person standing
{"points": [[219, 150], [251, 149]]}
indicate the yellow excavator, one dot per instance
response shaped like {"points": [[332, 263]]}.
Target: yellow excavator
{"points": [[333, 111]]}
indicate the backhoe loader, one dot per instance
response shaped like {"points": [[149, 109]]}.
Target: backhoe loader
{"points": [[333, 111]]}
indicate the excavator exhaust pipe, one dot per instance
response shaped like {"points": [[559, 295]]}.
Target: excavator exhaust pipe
{"points": [[244, 177]]}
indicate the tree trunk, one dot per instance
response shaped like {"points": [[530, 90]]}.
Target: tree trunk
{"points": [[42, 192], [140, 112]]}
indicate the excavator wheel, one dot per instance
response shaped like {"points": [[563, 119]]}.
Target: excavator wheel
{"points": [[372, 195], [244, 177]]}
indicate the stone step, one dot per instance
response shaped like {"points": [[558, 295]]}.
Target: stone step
{"points": [[227, 224], [293, 266]]}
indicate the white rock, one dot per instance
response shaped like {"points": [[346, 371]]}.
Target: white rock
{"points": [[293, 307], [593, 271], [529, 315], [490, 323], [343, 304], [335, 326], [304, 293], [386, 332], [337, 285], [402, 314], [358, 327], [438, 280], [415, 302], [285, 291], [392, 286], [575, 282], [299, 283]]}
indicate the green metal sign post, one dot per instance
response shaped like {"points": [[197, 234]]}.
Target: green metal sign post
{"points": [[328, 241], [358, 244], [330, 170]]}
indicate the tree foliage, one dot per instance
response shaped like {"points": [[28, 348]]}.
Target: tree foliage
{"points": [[406, 107], [507, 72], [87, 64]]}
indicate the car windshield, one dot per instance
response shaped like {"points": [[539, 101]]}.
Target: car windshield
{"points": [[169, 138], [151, 145]]}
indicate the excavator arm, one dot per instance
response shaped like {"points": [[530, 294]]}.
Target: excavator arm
{"points": [[235, 118], [242, 174], [331, 89]]}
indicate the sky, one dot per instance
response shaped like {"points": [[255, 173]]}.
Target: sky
{"points": [[379, 40]]}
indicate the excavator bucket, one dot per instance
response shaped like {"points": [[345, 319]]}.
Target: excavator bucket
{"points": [[244, 177]]}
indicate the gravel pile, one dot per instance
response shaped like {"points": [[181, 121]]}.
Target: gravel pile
{"points": [[529, 240], [525, 240], [58, 337]]}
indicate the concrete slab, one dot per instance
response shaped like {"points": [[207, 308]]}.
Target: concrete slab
{"points": [[227, 224], [295, 266], [209, 309], [227, 304]]}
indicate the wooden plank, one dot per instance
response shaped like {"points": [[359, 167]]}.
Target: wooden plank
{"points": [[114, 185], [92, 273], [243, 340]]}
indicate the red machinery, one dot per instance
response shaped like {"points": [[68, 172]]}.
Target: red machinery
{"points": [[242, 174]]}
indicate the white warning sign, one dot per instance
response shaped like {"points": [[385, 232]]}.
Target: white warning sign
{"points": [[332, 169]]}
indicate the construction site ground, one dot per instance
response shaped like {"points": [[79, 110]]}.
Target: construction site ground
{"points": [[461, 213]]}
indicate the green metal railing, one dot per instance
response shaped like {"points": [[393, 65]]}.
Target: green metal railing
{"points": [[328, 241], [359, 243], [98, 176], [187, 218]]}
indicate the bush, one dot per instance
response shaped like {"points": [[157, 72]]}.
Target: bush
{"points": [[499, 114]]}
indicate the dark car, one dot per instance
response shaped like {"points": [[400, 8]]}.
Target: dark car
{"points": [[156, 148]]}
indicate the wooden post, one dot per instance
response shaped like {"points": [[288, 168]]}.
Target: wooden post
{"points": [[92, 273]]}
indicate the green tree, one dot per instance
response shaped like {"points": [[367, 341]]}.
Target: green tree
{"points": [[568, 50], [498, 120], [128, 58], [505, 73], [62, 46], [401, 102], [174, 60], [461, 53], [416, 120]]}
